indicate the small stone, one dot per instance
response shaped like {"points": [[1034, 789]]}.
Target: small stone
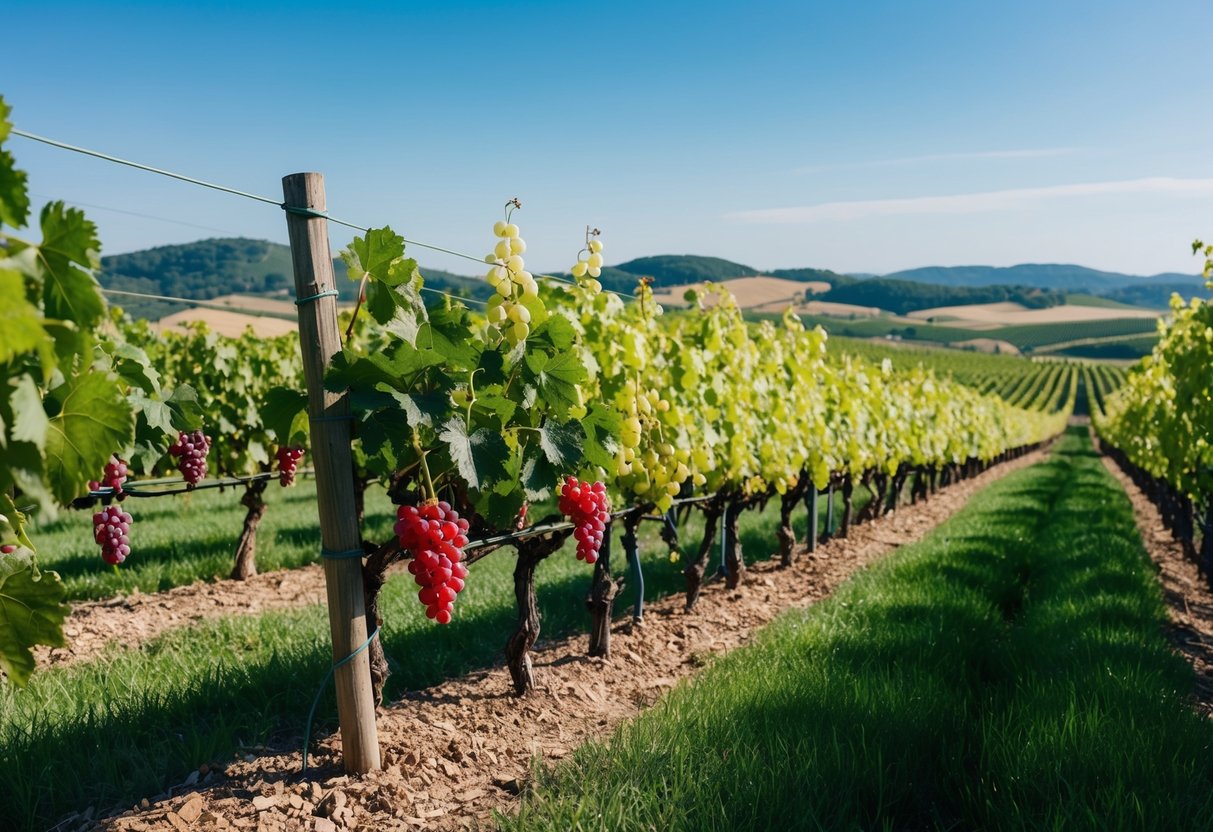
{"points": [[191, 809], [261, 802], [324, 825]]}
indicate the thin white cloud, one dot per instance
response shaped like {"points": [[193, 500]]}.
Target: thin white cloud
{"points": [[970, 203], [1025, 153]]}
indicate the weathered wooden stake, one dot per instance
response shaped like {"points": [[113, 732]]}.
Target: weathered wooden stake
{"points": [[319, 341]]}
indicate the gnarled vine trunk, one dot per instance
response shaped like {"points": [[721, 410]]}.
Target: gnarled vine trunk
{"points": [[694, 570], [246, 547], [734, 563], [788, 501], [848, 506], [601, 599], [531, 551]]}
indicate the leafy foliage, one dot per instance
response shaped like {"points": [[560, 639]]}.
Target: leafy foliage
{"points": [[1162, 417], [72, 393]]}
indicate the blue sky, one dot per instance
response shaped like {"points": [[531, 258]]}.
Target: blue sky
{"points": [[852, 136]]}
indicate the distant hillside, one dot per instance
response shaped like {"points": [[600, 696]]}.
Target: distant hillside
{"points": [[675, 269], [903, 296], [1146, 291]]}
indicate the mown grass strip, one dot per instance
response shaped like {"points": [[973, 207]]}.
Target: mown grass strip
{"points": [[111, 730], [1008, 672]]}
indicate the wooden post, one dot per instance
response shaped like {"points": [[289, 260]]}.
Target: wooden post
{"points": [[332, 460]]}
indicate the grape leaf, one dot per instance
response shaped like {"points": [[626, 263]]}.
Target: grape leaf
{"points": [[499, 509], [556, 331], [19, 320], [284, 414], [392, 369], [89, 424], [556, 378], [30, 423], [399, 309], [561, 444], [69, 247], [373, 254], [602, 424], [539, 476], [499, 406], [480, 457], [132, 366], [14, 198], [449, 335], [491, 369], [31, 612], [423, 408]]}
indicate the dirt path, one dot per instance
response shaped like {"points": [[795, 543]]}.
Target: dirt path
{"points": [[135, 619], [1187, 594], [456, 752]]}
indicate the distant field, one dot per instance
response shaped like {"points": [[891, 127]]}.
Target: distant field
{"points": [[1014, 314], [226, 323], [751, 292], [1136, 334]]}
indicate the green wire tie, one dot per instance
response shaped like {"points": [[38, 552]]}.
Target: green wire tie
{"points": [[307, 733], [328, 293], [347, 554], [304, 212]]}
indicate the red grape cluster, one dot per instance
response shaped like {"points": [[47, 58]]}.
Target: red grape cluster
{"points": [[288, 463], [191, 450], [589, 509], [111, 528], [436, 535], [115, 474]]}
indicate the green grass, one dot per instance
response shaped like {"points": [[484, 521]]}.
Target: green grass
{"points": [[108, 731], [1008, 672]]}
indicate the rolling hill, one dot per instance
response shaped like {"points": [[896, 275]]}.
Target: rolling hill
{"points": [[1154, 291]]}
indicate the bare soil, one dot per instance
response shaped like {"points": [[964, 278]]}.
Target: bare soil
{"points": [[455, 753], [131, 620], [1189, 599]]}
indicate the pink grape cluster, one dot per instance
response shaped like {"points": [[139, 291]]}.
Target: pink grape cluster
{"points": [[115, 474], [191, 449], [589, 510], [288, 463], [436, 535], [112, 528]]}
